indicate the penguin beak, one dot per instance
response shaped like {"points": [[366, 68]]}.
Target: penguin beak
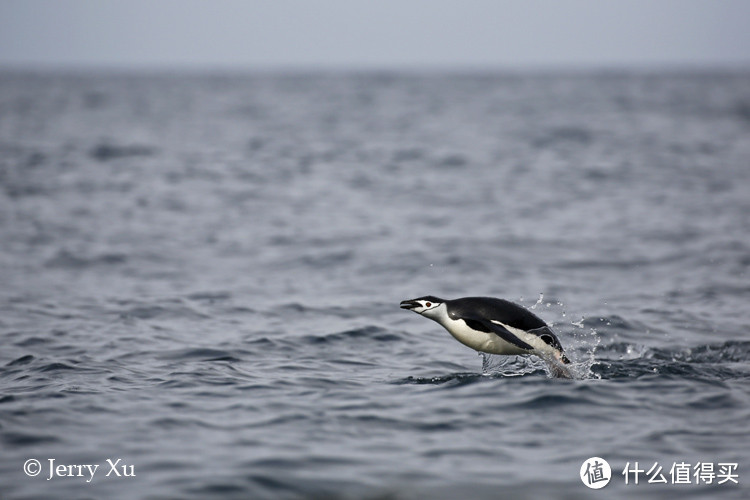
{"points": [[409, 304], [564, 358]]}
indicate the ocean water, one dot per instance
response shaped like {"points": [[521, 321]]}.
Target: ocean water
{"points": [[201, 275]]}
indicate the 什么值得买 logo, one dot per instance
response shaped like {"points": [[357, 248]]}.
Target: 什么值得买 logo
{"points": [[595, 473]]}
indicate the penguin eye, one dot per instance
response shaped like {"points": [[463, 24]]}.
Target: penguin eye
{"points": [[428, 304], [547, 339]]}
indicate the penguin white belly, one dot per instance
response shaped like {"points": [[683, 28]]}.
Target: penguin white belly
{"points": [[481, 341]]}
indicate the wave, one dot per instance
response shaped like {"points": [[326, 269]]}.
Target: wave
{"points": [[172, 309], [367, 333], [200, 354], [108, 151], [68, 260], [724, 361]]}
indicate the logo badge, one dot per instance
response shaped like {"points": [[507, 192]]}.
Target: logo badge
{"points": [[596, 473]]}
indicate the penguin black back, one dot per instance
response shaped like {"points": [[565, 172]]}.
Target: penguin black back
{"points": [[494, 309]]}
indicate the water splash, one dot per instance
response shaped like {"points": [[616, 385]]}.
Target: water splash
{"points": [[517, 366], [578, 323], [584, 344], [538, 302], [511, 366]]}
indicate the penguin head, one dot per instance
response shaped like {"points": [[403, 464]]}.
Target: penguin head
{"points": [[422, 305]]}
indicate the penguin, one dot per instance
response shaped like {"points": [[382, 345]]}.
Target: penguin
{"points": [[493, 326]]}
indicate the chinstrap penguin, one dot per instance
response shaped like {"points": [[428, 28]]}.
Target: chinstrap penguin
{"points": [[494, 326]]}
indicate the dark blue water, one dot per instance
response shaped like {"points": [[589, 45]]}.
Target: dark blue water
{"points": [[200, 276]]}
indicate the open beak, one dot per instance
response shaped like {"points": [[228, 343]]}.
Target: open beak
{"points": [[409, 304], [564, 358]]}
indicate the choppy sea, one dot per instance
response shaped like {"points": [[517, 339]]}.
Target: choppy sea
{"points": [[200, 277]]}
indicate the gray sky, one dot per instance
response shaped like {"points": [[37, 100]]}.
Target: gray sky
{"points": [[374, 34]]}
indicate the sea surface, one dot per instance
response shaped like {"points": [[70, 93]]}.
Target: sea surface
{"points": [[200, 276]]}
